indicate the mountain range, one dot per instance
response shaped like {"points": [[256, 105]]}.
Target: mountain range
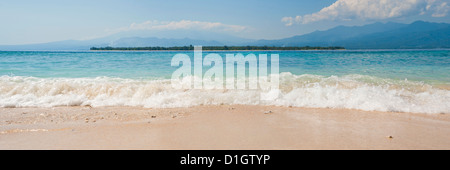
{"points": [[417, 35]]}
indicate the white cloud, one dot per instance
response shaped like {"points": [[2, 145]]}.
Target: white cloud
{"points": [[440, 10], [373, 10], [180, 25], [287, 20]]}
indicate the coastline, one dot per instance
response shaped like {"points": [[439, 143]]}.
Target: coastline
{"points": [[219, 127], [311, 50], [209, 50]]}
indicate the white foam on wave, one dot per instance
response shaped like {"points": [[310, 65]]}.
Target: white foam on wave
{"points": [[312, 91]]}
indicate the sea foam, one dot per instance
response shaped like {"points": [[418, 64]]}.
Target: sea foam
{"points": [[311, 91]]}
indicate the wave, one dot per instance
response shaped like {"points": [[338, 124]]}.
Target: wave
{"points": [[312, 91]]}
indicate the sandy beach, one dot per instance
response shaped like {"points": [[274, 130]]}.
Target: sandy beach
{"points": [[219, 127]]}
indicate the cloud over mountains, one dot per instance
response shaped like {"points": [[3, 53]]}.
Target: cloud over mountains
{"points": [[373, 10], [180, 25]]}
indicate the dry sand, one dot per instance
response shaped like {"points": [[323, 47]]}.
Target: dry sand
{"points": [[219, 127]]}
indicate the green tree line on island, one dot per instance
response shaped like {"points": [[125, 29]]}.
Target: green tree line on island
{"points": [[213, 48]]}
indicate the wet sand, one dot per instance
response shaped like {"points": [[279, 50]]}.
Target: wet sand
{"points": [[219, 127]]}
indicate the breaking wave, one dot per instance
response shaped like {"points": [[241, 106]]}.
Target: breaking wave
{"points": [[312, 91]]}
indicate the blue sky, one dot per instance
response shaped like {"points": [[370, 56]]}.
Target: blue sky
{"points": [[31, 21]]}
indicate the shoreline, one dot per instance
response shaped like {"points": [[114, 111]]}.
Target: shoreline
{"points": [[207, 50], [343, 50], [219, 128]]}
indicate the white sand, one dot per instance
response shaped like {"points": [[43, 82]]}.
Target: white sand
{"points": [[219, 127]]}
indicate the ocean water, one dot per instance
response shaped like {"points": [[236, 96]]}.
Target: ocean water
{"points": [[416, 81]]}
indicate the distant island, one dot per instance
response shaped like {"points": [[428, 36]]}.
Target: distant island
{"points": [[215, 48]]}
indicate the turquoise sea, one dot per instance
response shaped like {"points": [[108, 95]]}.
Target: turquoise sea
{"points": [[380, 80]]}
